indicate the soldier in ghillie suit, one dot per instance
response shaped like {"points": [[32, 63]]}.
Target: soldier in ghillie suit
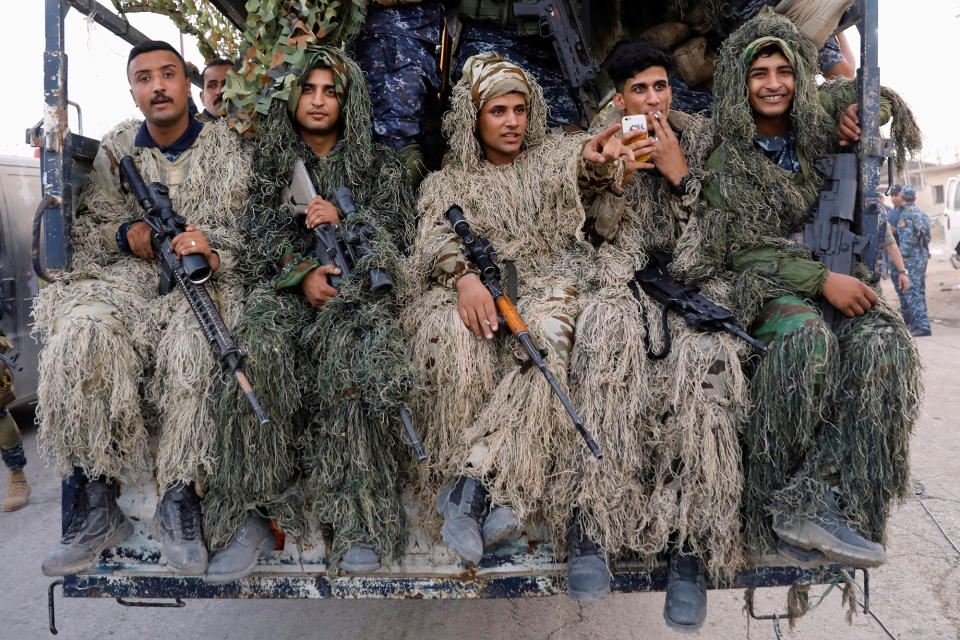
{"points": [[118, 356], [494, 431], [826, 446], [671, 480], [335, 358]]}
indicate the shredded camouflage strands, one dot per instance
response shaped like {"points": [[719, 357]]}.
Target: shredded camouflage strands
{"points": [[830, 411], [668, 428], [335, 451], [486, 416], [110, 339]]}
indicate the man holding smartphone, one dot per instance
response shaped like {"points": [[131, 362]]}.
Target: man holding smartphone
{"points": [[668, 426]]}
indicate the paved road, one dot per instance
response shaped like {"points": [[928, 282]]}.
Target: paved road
{"points": [[915, 595]]}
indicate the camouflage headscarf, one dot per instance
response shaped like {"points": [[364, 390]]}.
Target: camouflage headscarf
{"points": [[760, 43], [322, 58], [490, 76]]}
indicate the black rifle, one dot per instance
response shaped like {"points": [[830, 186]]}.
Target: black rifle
{"points": [[698, 312], [558, 18], [189, 274], [344, 245], [846, 225], [480, 252]]}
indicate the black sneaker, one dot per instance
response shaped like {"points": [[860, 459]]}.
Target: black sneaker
{"points": [[685, 606], [588, 568], [176, 525], [97, 524]]}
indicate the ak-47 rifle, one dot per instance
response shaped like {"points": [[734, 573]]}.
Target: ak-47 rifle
{"points": [[344, 245], [698, 312], [481, 253], [189, 274], [846, 226], [560, 20]]}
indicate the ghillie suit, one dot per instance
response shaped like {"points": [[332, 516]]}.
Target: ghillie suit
{"points": [[830, 409], [112, 342], [669, 428], [486, 415], [333, 452]]}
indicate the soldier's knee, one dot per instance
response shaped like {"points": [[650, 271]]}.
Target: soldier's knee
{"points": [[9, 432]]}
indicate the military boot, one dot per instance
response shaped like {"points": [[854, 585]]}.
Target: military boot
{"points": [[17, 491], [97, 524], [237, 559], [176, 525], [685, 606], [360, 558], [588, 568], [463, 505], [500, 524], [830, 533]]}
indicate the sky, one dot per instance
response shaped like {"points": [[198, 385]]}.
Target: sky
{"points": [[919, 50]]}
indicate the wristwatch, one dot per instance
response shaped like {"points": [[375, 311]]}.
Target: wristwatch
{"points": [[681, 187], [904, 272]]}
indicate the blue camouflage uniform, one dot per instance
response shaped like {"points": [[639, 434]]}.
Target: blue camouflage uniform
{"points": [[913, 236], [534, 54], [398, 52]]}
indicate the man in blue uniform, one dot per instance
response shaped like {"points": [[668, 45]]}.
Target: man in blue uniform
{"points": [[913, 236]]}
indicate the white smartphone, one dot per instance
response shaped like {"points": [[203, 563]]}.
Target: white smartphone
{"points": [[632, 124]]}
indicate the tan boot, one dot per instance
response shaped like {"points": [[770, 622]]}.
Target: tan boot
{"points": [[17, 491]]}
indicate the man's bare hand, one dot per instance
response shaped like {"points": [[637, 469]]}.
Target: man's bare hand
{"points": [[475, 306], [193, 241], [138, 238], [316, 287], [320, 211], [848, 131], [903, 283], [604, 147], [850, 296], [667, 154]]}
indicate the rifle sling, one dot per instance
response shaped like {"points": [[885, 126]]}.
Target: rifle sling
{"points": [[665, 351]]}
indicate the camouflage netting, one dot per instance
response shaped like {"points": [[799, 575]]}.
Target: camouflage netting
{"points": [[338, 376], [276, 43], [216, 36], [669, 428], [111, 339], [487, 416], [828, 408]]}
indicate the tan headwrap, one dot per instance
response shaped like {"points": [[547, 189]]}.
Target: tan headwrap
{"points": [[323, 58], [765, 41], [490, 76]]}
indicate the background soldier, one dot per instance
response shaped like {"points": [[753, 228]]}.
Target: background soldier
{"points": [[11, 443], [211, 95], [109, 335], [913, 232]]}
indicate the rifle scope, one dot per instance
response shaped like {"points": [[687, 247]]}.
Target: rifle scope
{"points": [[359, 235]]}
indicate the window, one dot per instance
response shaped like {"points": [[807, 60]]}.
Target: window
{"points": [[937, 193]]}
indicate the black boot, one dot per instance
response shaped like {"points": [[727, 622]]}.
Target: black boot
{"points": [[176, 525], [588, 572], [97, 524], [685, 606]]}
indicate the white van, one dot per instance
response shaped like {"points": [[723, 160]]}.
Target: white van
{"points": [[951, 214]]}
